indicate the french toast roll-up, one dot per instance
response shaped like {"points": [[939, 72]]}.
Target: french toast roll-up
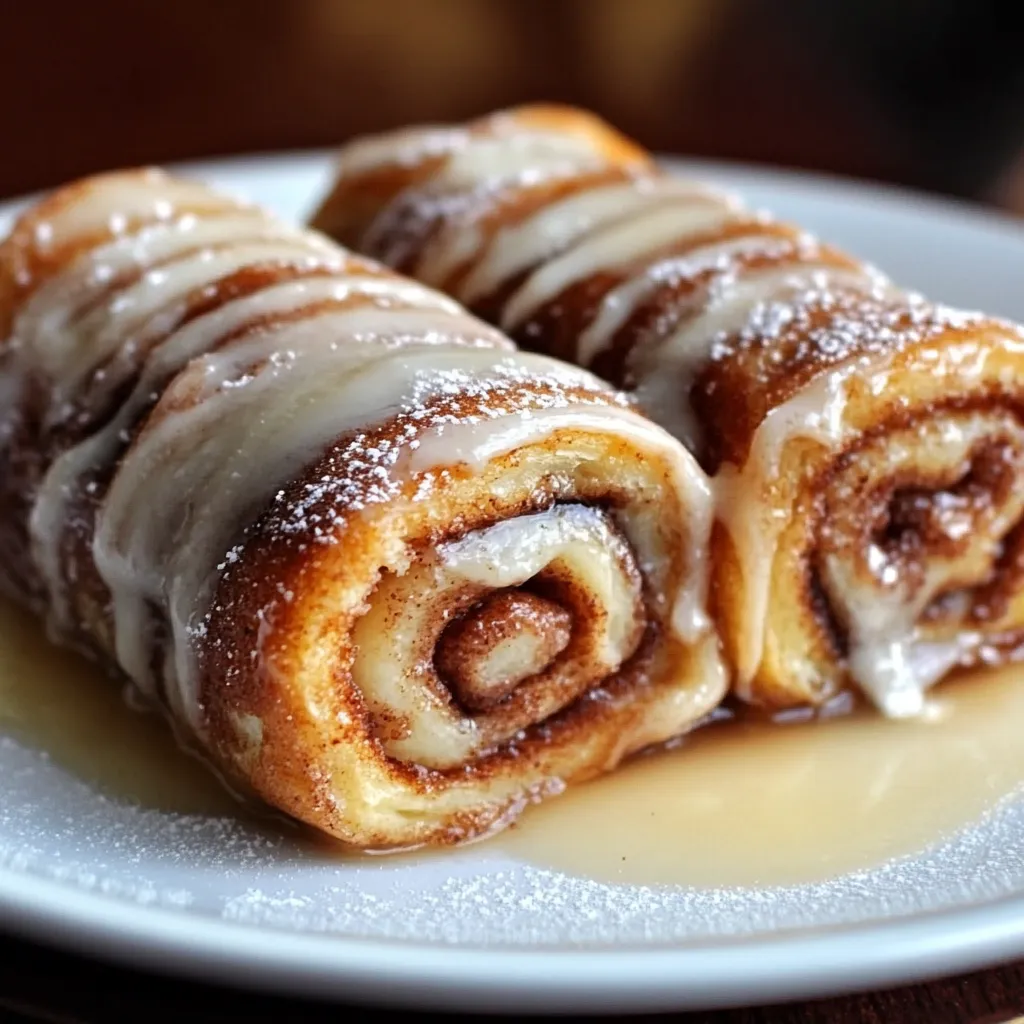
{"points": [[866, 445], [387, 572]]}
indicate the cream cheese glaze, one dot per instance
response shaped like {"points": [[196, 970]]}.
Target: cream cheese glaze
{"points": [[553, 228], [614, 245], [815, 413], [237, 400]]}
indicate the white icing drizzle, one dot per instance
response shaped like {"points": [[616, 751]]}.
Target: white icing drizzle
{"points": [[152, 307], [478, 168], [525, 157], [252, 392], [446, 201], [80, 318], [407, 148], [816, 413], [113, 203], [619, 304], [891, 657], [556, 226], [616, 245], [48, 316], [51, 508], [665, 368]]}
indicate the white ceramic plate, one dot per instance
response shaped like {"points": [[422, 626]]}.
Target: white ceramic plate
{"points": [[474, 929]]}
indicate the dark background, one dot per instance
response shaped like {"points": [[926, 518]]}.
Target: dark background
{"points": [[928, 93]]}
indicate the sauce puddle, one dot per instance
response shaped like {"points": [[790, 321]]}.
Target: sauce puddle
{"points": [[56, 701], [741, 803], [754, 803]]}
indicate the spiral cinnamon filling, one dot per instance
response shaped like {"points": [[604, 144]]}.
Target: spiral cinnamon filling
{"points": [[497, 631], [915, 552], [499, 643]]}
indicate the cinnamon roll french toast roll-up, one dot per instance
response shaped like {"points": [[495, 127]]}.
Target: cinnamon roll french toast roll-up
{"points": [[387, 572], [866, 446]]}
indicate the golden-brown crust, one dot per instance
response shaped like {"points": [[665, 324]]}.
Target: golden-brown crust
{"points": [[749, 376], [279, 711], [277, 562]]}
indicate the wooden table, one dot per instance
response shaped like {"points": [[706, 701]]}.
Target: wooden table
{"points": [[37, 984]]}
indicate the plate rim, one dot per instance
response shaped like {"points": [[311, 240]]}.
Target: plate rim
{"points": [[799, 964]]}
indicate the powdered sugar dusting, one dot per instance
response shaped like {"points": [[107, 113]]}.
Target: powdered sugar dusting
{"points": [[834, 324], [54, 827], [362, 470]]}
